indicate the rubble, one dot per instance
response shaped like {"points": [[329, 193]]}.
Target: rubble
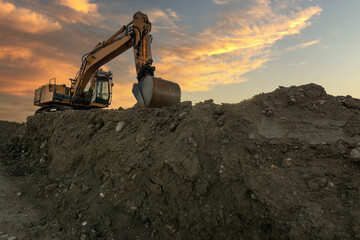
{"points": [[280, 165]]}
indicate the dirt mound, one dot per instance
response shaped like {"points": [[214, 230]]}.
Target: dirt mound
{"points": [[281, 165]]}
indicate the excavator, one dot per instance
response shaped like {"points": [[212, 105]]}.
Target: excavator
{"points": [[92, 87]]}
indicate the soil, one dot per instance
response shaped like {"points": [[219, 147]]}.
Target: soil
{"points": [[281, 165]]}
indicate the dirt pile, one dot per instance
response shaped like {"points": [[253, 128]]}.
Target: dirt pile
{"points": [[281, 165]]}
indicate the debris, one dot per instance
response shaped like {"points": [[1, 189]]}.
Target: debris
{"points": [[190, 178], [287, 162], [119, 126], [355, 153], [182, 115]]}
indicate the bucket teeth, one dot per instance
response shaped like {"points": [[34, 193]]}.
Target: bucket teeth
{"points": [[138, 95]]}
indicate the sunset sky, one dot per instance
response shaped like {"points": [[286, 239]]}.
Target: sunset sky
{"points": [[226, 50]]}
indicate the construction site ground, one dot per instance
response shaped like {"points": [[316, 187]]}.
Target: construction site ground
{"points": [[281, 165]]}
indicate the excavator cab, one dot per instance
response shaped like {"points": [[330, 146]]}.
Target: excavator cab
{"points": [[102, 90]]}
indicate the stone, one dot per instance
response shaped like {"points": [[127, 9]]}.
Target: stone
{"points": [[218, 111], [83, 237], [182, 115], [85, 189], [49, 188], [313, 185], [173, 126], [192, 141], [119, 126], [12, 238], [140, 138], [287, 162], [355, 153]]}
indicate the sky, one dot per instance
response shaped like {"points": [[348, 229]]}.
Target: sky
{"points": [[226, 50]]}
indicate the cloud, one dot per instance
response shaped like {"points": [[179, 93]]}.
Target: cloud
{"points": [[15, 53], [303, 45], [173, 14], [163, 19], [26, 20], [82, 6], [23, 70], [222, 2], [239, 42]]}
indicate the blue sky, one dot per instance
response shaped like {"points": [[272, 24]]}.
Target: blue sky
{"points": [[226, 50]]}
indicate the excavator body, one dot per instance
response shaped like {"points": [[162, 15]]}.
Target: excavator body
{"points": [[54, 97], [92, 87]]}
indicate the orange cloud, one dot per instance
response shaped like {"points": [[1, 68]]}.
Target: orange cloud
{"points": [[11, 53], [26, 20], [80, 5], [41, 70], [238, 43]]}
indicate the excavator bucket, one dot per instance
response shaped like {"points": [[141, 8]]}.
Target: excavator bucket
{"points": [[155, 92]]}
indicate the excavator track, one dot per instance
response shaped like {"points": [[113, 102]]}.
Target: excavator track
{"points": [[53, 108]]}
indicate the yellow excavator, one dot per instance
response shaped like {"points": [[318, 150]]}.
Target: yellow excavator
{"points": [[92, 87]]}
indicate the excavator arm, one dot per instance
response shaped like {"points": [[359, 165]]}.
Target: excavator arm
{"points": [[149, 91]]}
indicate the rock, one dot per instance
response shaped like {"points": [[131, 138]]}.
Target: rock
{"points": [[119, 126], [186, 104], [182, 115], [140, 138], [42, 160], [287, 162], [218, 111], [192, 141], [313, 185], [83, 237], [49, 188], [349, 102], [253, 196], [355, 153], [85, 189], [4, 236], [209, 101], [220, 123], [12, 238], [173, 126], [321, 182]]}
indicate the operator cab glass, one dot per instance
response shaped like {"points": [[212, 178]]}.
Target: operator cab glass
{"points": [[102, 88]]}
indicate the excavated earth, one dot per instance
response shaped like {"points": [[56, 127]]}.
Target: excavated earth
{"points": [[282, 165]]}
